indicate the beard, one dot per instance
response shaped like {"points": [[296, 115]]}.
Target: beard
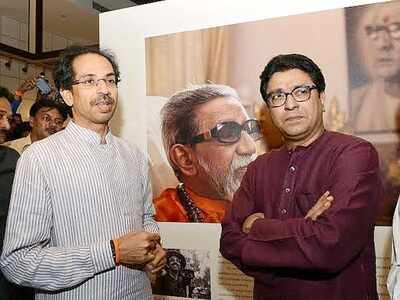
{"points": [[226, 181]]}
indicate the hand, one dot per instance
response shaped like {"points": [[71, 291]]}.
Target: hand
{"points": [[157, 264], [27, 85], [248, 223], [159, 261], [323, 203], [137, 247]]}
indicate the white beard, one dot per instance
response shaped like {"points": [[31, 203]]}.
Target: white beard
{"points": [[225, 181]]}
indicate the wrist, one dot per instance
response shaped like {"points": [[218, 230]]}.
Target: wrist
{"points": [[114, 244]]}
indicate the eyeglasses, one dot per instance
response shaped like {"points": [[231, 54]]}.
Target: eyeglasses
{"points": [[392, 29], [300, 94], [90, 82], [230, 132]]}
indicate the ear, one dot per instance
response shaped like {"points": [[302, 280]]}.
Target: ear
{"points": [[31, 122], [67, 97], [322, 98], [183, 158]]}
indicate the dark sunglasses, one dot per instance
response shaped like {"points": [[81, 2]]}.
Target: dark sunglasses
{"points": [[230, 132]]}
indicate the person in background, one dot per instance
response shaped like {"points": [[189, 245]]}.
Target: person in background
{"points": [[5, 113], [8, 162], [268, 232], [46, 118]]}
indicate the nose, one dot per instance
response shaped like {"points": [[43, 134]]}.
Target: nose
{"points": [[4, 123], [102, 86], [246, 145], [290, 103], [52, 123], [384, 40]]}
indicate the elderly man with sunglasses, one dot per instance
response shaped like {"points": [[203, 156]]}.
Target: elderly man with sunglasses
{"points": [[267, 233], [209, 140]]}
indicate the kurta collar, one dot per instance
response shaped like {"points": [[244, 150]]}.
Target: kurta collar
{"points": [[320, 139], [87, 134]]}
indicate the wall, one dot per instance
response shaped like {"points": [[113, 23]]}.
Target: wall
{"points": [[13, 76], [15, 34]]}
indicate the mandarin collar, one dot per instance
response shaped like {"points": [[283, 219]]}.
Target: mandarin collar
{"points": [[88, 135], [310, 146]]}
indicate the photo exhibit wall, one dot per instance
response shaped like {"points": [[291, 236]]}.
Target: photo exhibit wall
{"points": [[230, 44]]}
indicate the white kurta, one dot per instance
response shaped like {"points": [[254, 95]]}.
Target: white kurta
{"points": [[71, 195]]}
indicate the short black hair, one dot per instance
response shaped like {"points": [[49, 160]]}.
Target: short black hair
{"points": [[4, 92], [64, 72], [62, 108], [286, 62]]}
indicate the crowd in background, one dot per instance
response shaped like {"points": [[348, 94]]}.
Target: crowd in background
{"points": [[21, 127]]}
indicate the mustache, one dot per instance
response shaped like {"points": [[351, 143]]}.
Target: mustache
{"points": [[103, 99], [242, 161]]}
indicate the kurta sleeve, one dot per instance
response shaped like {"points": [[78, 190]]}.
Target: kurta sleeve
{"points": [[149, 223], [27, 258], [336, 237], [233, 239], [393, 283]]}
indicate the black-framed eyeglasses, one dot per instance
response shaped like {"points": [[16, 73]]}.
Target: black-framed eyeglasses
{"points": [[299, 93], [230, 132], [92, 82], [393, 29]]}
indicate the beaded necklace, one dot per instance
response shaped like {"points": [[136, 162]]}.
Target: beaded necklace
{"points": [[195, 215]]}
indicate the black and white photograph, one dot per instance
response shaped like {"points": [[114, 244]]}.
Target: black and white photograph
{"points": [[186, 275]]}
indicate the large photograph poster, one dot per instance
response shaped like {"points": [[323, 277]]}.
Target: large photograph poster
{"points": [[235, 55], [226, 47], [374, 94], [232, 55]]}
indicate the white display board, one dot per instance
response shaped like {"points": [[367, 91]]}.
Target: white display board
{"points": [[125, 32]]}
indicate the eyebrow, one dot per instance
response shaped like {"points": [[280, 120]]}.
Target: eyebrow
{"points": [[293, 88], [95, 75], [3, 111]]}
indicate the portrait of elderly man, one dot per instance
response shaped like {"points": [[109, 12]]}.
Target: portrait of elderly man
{"points": [[209, 140], [375, 67]]}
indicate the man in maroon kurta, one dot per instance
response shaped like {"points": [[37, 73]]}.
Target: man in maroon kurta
{"points": [[266, 233]]}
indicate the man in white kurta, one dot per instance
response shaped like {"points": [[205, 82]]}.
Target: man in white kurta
{"points": [[80, 223]]}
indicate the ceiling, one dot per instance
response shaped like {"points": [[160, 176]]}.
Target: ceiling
{"points": [[73, 19]]}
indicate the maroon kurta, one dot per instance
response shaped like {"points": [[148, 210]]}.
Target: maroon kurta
{"points": [[295, 258]]}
